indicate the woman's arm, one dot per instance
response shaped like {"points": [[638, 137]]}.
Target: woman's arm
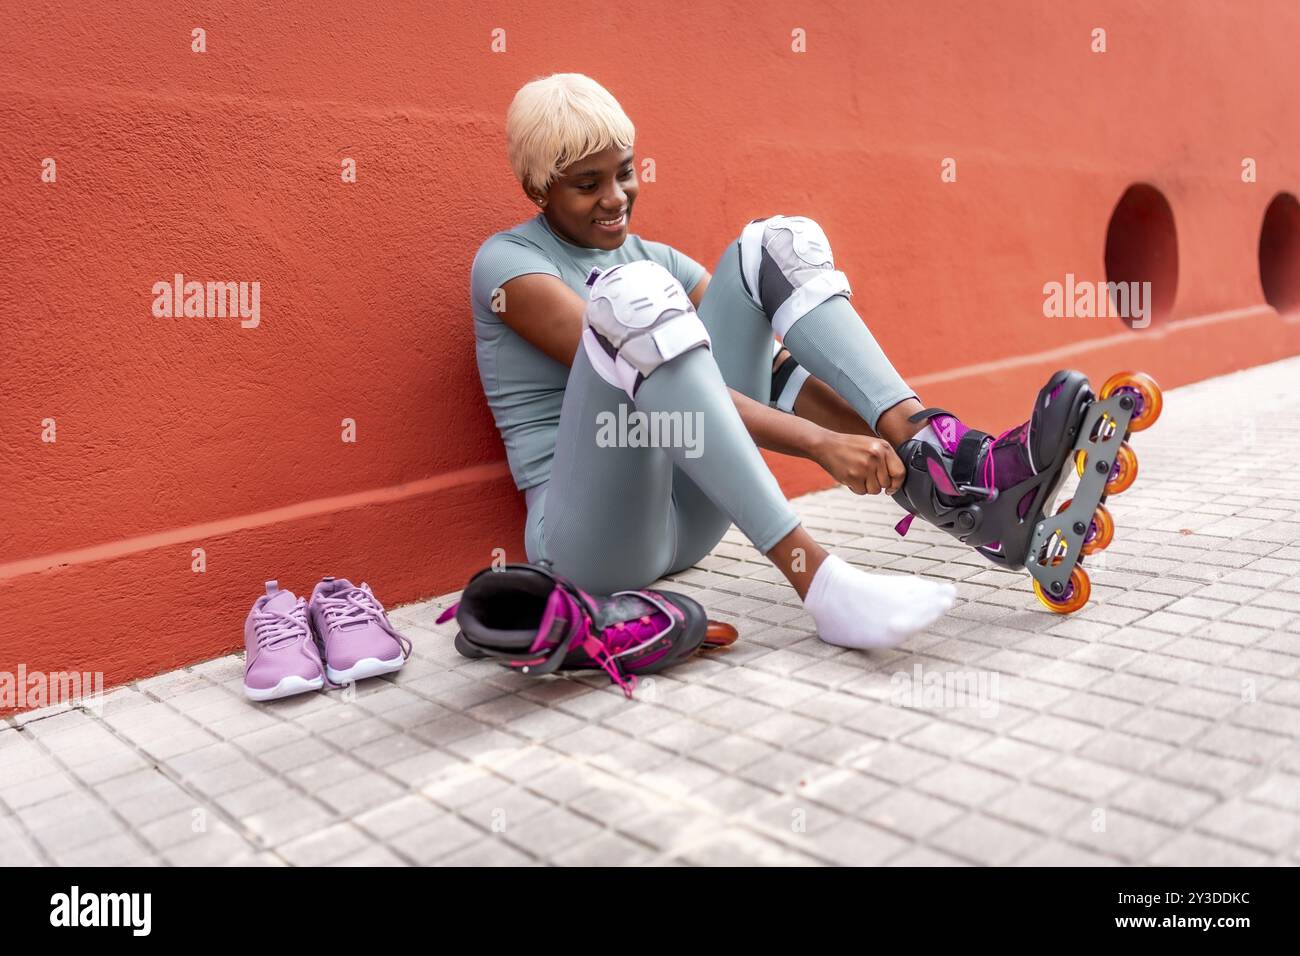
{"points": [[866, 464], [546, 314], [824, 428]]}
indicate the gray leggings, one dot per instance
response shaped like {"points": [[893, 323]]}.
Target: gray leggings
{"points": [[621, 517]]}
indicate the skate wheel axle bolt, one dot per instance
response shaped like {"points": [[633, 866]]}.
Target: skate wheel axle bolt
{"points": [[1098, 532], [1065, 599], [1103, 467]]}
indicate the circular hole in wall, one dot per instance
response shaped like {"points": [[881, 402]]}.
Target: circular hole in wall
{"points": [[1142, 247], [1279, 254]]}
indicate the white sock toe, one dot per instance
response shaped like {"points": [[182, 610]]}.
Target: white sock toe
{"points": [[915, 619], [855, 609]]}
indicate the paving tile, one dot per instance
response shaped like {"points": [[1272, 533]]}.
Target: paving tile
{"points": [[1126, 751], [1281, 790], [325, 845], [550, 833], [1117, 833], [286, 820], [1163, 802], [1198, 849], [1035, 807], [1260, 827], [984, 840], [738, 847], [1082, 778], [911, 815], [849, 843]]}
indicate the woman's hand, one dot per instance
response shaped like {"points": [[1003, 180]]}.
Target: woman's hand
{"points": [[867, 465]]}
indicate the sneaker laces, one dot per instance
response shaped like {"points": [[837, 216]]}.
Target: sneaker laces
{"points": [[274, 628], [358, 605]]}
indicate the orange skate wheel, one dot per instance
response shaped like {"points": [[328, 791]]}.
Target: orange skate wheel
{"points": [[1143, 388], [719, 634], [1076, 595], [1124, 472], [1100, 533]]}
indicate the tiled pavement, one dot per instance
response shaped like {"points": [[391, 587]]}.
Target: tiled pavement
{"points": [[1158, 725]]}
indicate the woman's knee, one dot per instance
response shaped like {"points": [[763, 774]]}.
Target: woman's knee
{"points": [[638, 318], [788, 268]]}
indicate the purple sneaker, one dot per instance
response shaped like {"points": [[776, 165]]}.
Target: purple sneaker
{"points": [[281, 658], [351, 624]]}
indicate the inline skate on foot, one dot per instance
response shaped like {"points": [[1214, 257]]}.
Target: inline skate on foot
{"points": [[996, 493]]}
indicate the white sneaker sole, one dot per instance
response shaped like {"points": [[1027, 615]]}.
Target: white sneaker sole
{"points": [[288, 686], [366, 667]]}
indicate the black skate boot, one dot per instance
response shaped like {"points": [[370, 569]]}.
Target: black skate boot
{"points": [[530, 618]]}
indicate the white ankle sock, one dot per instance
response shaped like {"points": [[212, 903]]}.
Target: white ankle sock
{"points": [[927, 434], [852, 608]]}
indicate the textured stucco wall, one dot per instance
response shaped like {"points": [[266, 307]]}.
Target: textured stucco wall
{"points": [[183, 433]]}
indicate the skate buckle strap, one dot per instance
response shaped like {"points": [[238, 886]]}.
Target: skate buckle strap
{"points": [[926, 414], [967, 455], [560, 622], [904, 525]]}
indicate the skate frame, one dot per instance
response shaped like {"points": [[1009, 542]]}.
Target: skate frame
{"points": [[1057, 542]]}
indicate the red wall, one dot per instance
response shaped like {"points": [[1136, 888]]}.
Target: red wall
{"points": [[176, 433]]}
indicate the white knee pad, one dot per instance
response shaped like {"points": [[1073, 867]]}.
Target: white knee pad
{"points": [[788, 268], [638, 317]]}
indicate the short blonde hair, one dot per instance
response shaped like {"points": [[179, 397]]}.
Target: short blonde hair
{"points": [[555, 121]]}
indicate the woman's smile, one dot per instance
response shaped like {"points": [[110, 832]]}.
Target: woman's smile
{"points": [[614, 225]]}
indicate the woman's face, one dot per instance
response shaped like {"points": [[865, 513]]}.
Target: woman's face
{"points": [[595, 190]]}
